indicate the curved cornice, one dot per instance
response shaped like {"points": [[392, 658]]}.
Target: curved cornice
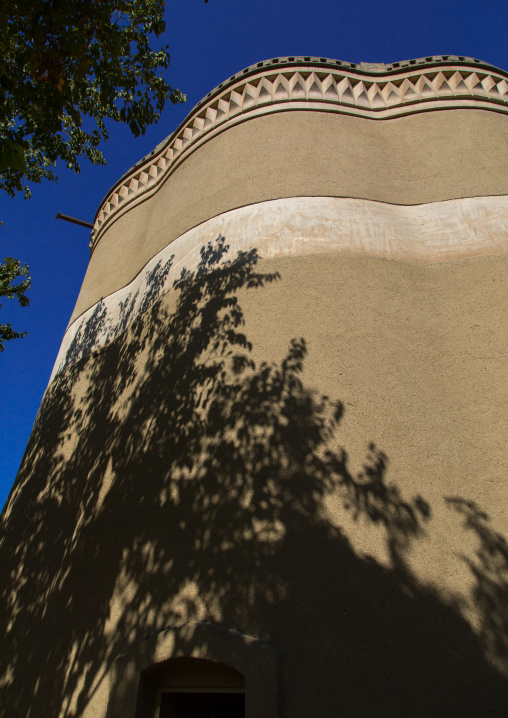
{"points": [[370, 90]]}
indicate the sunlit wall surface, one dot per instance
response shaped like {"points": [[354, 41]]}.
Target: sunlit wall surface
{"points": [[268, 474]]}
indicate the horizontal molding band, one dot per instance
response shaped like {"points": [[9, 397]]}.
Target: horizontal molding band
{"points": [[298, 226], [367, 91]]}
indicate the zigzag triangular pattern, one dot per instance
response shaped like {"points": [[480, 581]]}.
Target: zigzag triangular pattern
{"points": [[487, 83], [249, 96], [424, 87], [314, 89], [370, 95], [298, 87], [375, 96], [329, 87], [391, 94], [235, 103], [408, 91], [360, 94], [197, 126], [490, 87], [211, 115], [222, 110], [503, 89], [458, 84], [441, 85], [472, 81], [264, 91], [281, 87], [346, 91]]}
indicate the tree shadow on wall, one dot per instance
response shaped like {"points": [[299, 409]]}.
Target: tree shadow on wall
{"points": [[98, 326], [170, 479], [489, 569]]}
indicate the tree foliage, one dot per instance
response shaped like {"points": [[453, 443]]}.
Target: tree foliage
{"points": [[68, 66], [10, 271]]}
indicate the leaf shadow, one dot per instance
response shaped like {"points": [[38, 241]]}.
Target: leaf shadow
{"points": [[170, 479]]}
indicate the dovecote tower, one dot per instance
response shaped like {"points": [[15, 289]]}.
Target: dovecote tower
{"points": [[268, 476]]}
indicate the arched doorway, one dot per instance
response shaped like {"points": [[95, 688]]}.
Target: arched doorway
{"points": [[183, 687]]}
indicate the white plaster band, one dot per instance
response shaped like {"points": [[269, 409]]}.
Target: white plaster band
{"points": [[435, 232], [378, 95]]}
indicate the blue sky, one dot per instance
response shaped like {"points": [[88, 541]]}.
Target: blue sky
{"points": [[208, 43]]}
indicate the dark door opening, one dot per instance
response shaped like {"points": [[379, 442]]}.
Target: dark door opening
{"points": [[202, 705]]}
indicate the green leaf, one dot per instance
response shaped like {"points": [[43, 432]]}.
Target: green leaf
{"points": [[69, 65], [66, 66], [11, 270], [12, 156]]}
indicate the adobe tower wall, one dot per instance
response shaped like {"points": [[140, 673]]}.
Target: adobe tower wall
{"points": [[275, 434]]}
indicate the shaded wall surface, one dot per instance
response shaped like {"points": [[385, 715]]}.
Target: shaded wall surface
{"points": [[282, 450]]}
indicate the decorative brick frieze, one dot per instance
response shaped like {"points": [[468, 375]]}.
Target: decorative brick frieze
{"points": [[367, 90]]}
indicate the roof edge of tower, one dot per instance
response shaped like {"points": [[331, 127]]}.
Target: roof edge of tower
{"points": [[373, 90]]}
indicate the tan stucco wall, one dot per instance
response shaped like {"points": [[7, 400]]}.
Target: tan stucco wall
{"points": [[410, 160], [301, 226], [293, 463], [123, 530]]}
